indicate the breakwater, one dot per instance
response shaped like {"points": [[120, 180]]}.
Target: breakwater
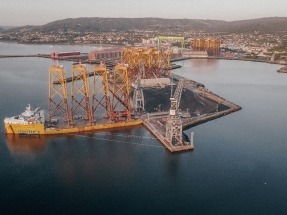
{"points": [[155, 122], [12, 56], [282, 69]]}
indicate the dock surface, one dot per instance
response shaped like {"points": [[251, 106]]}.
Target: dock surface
{"points": [[158, 130], [156, 122]]}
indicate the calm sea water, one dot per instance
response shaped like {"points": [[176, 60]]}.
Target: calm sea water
{"points": [[238, 165]]}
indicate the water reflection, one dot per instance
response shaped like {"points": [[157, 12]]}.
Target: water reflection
{"points": [[28, 144], [207, 63], [92, 156], [202, 67], [30, 49], [74, 156]]}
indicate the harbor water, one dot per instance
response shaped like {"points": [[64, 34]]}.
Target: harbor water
{"points": [[238, 165]]}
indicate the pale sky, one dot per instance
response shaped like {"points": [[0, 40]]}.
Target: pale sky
{"points": [[39, 12]]}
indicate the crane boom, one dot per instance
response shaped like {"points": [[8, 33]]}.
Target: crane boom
{"points": [[178, 91]]}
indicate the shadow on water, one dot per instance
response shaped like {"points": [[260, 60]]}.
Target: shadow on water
{"points": [[72, 157]]}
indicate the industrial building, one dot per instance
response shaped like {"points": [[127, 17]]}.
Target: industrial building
{"points": [[105, 54], [57, 55]]}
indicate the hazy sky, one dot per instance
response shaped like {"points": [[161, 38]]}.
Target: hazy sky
{"points": [[38, 12]]}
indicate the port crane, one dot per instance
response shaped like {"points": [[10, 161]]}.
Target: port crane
{"points": [[174, 123], [138, 96]]}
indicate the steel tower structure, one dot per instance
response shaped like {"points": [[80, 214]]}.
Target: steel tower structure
{"points": [[120, 88], [101, 98], [58, 95], [154, 60], [80, 94], [211, 45]]}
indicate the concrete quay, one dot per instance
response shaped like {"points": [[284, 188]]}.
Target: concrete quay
{"points": [[203, 92], [155, 122], [158, 130]]}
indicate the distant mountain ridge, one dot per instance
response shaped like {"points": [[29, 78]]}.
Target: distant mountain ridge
{"points": [[97, 24], [6, 27], [267, 25]]}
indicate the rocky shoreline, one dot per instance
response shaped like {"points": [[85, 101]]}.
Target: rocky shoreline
{"points": [[282, 69]]}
